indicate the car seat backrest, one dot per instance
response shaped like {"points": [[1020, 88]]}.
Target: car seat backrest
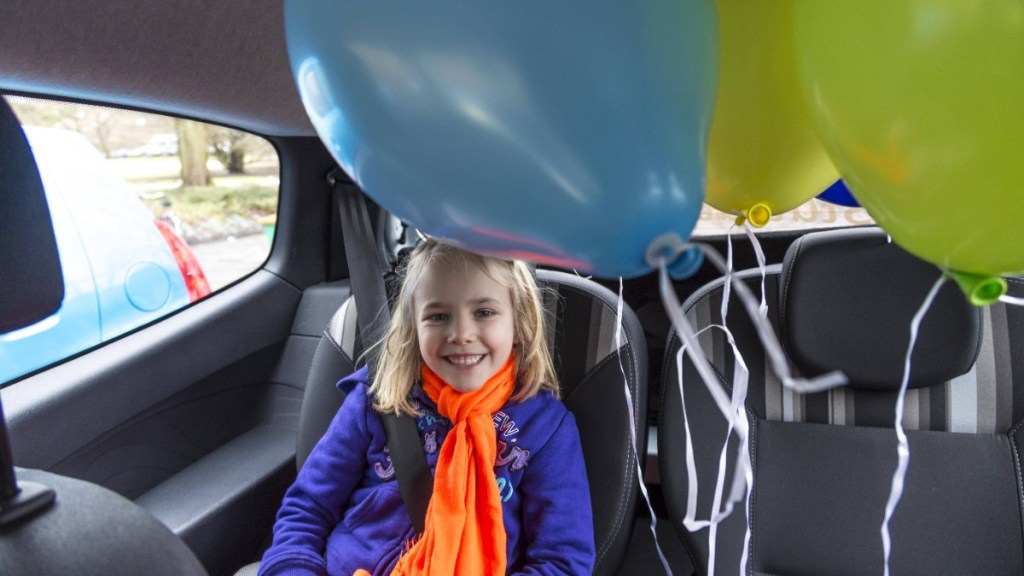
{"points": [[846, 300], [823, 462], [336, 356], [582, 318]]}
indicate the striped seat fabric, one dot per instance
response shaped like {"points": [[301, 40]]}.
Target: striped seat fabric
{"points": [[979, 401], [823, 462]]}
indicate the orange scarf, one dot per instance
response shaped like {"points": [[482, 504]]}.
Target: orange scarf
{"points": [[464, 532]]}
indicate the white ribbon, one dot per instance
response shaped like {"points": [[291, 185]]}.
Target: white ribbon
{"points": [[732, 408], [727, 282], [760, 264], [632, 431], [903, 447], [743, 474], [671, 247], [1012, 300]]}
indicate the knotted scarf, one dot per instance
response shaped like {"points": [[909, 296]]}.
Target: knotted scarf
{"points": [[464, 532]]}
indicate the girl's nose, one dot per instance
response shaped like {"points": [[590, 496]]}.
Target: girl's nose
{"points": [[462, 330]]}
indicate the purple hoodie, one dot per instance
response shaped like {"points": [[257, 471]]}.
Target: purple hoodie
{"points": [[345, 512]]}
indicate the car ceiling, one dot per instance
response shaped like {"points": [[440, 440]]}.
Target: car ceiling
{"points": [[218, 61]]}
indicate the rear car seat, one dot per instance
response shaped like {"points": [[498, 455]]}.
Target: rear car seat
{"points": [[823, 462]]}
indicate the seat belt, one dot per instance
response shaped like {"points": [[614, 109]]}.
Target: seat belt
{"points": [[366, 276]]}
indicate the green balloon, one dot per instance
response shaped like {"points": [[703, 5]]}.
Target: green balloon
{"points": [[919, 104]]}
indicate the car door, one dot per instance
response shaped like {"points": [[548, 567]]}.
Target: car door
{"points": [[193, 416]]}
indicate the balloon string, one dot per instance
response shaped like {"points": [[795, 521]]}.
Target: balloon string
{"points": [[760, 264], [770, 343], [742, 480], [1012, 300], [763, 310], [727, 283], [733, 409], [739, 374], [689, 342], [670, 247], [903, 447], [632, 430]]}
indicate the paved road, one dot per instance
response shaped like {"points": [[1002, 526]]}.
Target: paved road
{"points": [[225, 261]]}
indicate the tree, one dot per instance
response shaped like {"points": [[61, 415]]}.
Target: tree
{"points": [[192, 152], [93, 122], [230, 147]]}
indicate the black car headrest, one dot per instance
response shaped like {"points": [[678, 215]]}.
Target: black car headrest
{"points": [[847, 301], [33, 286]]}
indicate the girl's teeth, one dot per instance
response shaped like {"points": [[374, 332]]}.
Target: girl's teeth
{"points": [[465, 360]]}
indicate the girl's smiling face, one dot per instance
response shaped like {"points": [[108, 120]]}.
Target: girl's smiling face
{"points": [[464, 324]]}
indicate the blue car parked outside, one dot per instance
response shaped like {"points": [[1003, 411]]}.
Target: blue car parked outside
{"points": [[121, 268]]}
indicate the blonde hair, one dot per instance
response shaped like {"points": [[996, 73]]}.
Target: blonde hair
{"points": [[399, 361]]}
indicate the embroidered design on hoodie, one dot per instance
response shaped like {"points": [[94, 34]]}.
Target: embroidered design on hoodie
{"points": [[510, 457], [382, 472], [516, 456], [428, 418], [505, 425], [430, 442]]}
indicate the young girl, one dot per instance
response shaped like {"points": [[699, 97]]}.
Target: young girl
{"points": [[466, 354]]}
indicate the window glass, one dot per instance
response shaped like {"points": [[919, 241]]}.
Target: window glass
{"points": [[812, 215], [151, 213]]}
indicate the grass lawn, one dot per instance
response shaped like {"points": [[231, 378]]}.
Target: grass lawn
{"points": [[157, 181]]}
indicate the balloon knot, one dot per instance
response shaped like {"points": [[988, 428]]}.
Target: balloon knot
{"points": [[980, 290], [759, 214], [680, 259]]}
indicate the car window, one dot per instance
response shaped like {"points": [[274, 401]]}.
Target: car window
{"points": [[150, 212], [814, 214]]}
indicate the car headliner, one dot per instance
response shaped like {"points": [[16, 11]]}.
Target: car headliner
{"points": [[216, 61]]}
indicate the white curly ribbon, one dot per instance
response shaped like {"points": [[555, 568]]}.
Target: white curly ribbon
{"points": [[761, 264], [1012, 300], [742, 483], [903, 447], [632, 431], [664, 250]]}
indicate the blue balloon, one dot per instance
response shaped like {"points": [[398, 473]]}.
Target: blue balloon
{"points": [[569, 133], [839, 194]]}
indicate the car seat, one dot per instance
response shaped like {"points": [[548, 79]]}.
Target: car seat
{"points": [[823, 462], [587, 359]]}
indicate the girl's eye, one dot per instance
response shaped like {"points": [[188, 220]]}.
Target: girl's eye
{"points": [[437, 317], [485, 313]]}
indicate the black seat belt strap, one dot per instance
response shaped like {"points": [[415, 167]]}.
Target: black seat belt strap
{"points": [[367, 279], [410, 463], [364, 266]]}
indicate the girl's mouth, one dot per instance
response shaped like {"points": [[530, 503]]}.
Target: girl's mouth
{"points": [[465, 360]]}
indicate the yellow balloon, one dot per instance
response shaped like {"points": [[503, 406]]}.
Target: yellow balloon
{"points": [[920, 103], [764, 156]]}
